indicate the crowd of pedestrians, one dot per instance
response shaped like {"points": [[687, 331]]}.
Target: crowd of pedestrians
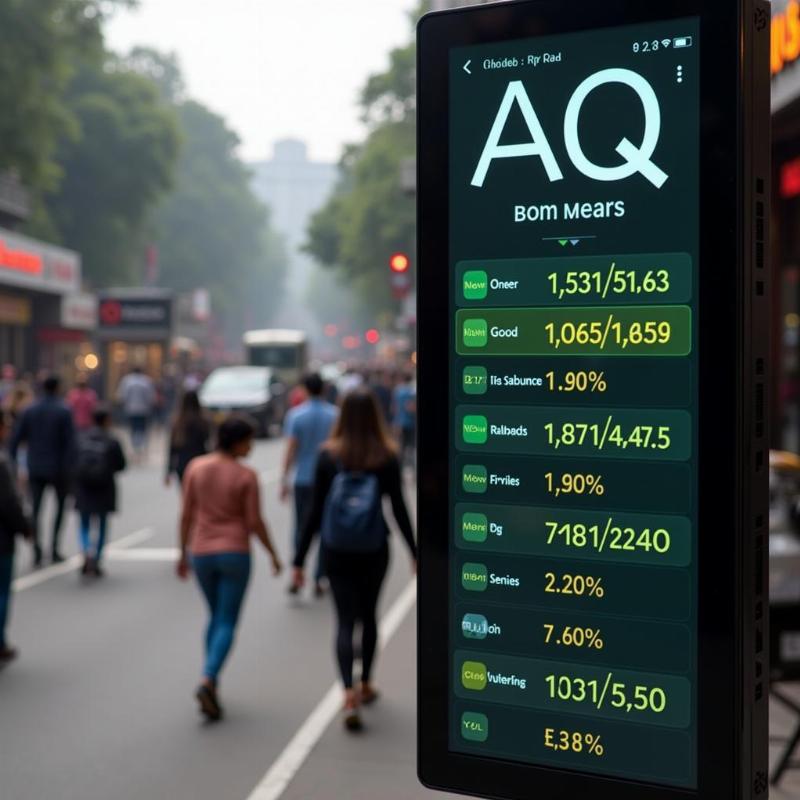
{"points": [[345, 447]]}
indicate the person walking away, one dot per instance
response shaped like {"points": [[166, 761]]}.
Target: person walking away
{"points": [[221, 509], [14, 403], [137, 395], [12, 524], [307, 428], [8, 380], [82, 401], [46, 429], [98, 461], [357, 467], [405, 418], [381, 385], [188, 438]]}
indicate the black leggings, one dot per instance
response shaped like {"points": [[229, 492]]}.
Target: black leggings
{"points": [[37, 486], [356, 580]]}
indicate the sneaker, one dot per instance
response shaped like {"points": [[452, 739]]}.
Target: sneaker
{"points": [[209, 704], [8, 654], [292, 589], [37, 557], [319, 590], [97, 571], [352, 720], [368, 695], [86, 567], [57, 558]]}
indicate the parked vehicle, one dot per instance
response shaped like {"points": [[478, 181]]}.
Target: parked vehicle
{"points": [[256, 391]]}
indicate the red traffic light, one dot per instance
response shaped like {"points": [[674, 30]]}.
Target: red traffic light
{"points": [[372, 336], [399, 262]]}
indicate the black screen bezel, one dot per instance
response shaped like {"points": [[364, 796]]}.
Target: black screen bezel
{"points": [[719, 669]]}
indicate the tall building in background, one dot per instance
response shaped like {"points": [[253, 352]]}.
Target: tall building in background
{"points": [[294, 188]]}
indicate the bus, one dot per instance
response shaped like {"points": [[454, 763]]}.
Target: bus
{"points": [[285, 351]]}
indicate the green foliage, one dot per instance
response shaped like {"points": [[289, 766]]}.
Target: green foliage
{"points": [[114, 172], [369, 216], [43, 41], [213, 232]]}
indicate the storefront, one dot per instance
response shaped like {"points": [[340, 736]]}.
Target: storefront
{"points": [[34, 277], [68, 349], [134, 330]]}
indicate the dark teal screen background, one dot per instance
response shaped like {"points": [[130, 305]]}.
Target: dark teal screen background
{"points": [[648, 614]]}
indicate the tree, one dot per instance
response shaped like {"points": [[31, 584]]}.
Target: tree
{"points": [[43, 41], [369, 216], [114, 172], [213, 232]]}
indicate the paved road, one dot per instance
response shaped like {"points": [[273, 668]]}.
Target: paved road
{"points": [[100, 704]]}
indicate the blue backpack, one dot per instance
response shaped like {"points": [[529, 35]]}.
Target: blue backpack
{"points": [[352, 520]]}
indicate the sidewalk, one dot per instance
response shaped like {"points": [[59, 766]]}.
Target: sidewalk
{"points": [[381, 761]]}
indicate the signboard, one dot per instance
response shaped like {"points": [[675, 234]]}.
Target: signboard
{"points": [[32, 264], [144, 315], [595, 325], [79, 311]]}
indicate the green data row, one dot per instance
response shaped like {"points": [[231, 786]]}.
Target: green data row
{"points": [[649, 434], [617, 331], [660, 278]]}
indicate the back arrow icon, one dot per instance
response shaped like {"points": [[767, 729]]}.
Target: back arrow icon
{"points": [[466, 67]]}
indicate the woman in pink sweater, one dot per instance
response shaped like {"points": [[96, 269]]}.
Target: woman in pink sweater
{"points": [[221, 510]]}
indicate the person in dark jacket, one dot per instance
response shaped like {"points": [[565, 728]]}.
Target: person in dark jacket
{"points": [[359, 445], [99, 459], [12, 524], [188, 438], [47, 430]]}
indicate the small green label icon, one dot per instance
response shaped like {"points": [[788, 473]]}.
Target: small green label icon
{"points": [[474, 577], [474, 726], [474, 626], [476, 333], [473, 675], [474, 527], [474, 479], [476, 285], [475, 380], [475, 429]]}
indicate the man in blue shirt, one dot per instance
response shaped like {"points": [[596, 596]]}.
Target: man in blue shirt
{"points": [[307, 427]]}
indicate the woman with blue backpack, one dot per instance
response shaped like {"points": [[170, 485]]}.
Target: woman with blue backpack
{"points": [[357, 468]]}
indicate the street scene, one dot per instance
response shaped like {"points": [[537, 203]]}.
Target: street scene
{"points": [[209, 396]]}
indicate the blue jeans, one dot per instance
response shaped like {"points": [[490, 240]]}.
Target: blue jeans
{"points": [[223, 579], [138, 426], [85, 534], [6, 573]]}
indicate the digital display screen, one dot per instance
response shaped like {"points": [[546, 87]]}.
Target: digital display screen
{"points": [[574, 246]]}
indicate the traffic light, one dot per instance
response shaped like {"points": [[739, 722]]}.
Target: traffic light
{"points": [[372, 336], [399, 263]]}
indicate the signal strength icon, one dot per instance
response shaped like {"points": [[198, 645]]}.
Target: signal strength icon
{"points": [[666, 42]]}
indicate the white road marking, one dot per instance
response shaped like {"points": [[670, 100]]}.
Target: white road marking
{"points": [[74, 563], [280, 774], [145, 554]]}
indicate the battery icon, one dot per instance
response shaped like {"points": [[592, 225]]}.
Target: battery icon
{"points": [[682, 41]]}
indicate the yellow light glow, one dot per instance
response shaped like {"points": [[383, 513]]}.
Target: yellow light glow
{"points": [[91, 361]]}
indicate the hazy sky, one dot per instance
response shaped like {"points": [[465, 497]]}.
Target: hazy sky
{"points": [[274, 68]]}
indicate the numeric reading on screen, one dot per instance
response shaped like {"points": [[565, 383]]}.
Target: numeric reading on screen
{"points": [[574, 272]]}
